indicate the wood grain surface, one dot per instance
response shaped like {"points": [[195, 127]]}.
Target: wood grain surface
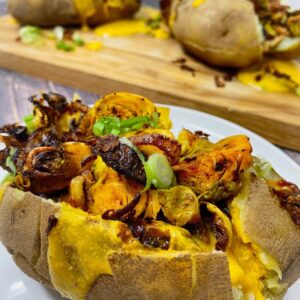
{"points": [[15, 88], [145, 65]]}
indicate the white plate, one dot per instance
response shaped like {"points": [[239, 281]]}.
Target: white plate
{"points": [[16, 285]]}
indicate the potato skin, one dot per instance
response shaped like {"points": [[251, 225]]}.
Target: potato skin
{"points": [[172, 275], [220, 32], [64, 12], [278, 235], [23, 226]]}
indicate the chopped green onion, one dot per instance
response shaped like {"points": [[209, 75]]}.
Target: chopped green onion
{"points": [[157, 168], [161, 172], [98, 128], [174, 181], [155, 22], [63, 45], [113, 125], [30, 123], [59, 32], [32, 35], [134, 121], [264, 169], [76, 97], [9, 178], [9, 161], [76, 38], [115, 131], [155, 120]]}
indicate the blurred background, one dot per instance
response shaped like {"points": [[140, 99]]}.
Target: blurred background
{"points": [[16, 87]]}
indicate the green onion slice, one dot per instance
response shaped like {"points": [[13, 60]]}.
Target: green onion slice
{"points": [[65, 46], [160, 171], [125, 141], [30, 123], [9, 161], [31, 35], [59, 32], [157, 168], [76, 38], [114, 125]]}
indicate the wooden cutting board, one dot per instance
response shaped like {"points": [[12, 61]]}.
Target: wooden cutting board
{"points": [[144, 65]]}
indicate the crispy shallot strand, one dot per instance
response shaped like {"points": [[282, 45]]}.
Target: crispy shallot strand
{"points": [[10, 141], [30, 158], [125, 212], [15, 130], [289, 197], [88, 159], [119, 157], [170, 147]]}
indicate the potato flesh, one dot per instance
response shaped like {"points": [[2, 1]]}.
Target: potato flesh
{"points": [[249, 264]]}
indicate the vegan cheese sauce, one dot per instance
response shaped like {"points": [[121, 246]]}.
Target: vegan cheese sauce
{"points": [[122, 28], [85, 8], [197, 3], [248, 264], [131, 27], [78, 251], [273, 76], [79, 246]]}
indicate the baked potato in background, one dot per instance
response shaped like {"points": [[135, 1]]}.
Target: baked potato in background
{"points": [[233, 33], [70, 12]]}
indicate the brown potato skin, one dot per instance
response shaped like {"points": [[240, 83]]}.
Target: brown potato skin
{"points": [[47, 13], [163, 276], [220, 32], [23, 231], [279, 235]]}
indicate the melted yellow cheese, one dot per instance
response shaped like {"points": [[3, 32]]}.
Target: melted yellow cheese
{"points": [[194, 275], [4, 184], [93, 45], [172, 18], [248, 263], [2, 190], [116, 3], [122, 28], [130, 27], [164, 117], [79, 246], [197, 3], [245, 269], [85, 9], [259, 79], [78, 249], [112, 190]]}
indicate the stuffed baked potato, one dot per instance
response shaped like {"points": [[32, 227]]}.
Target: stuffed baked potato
{"points": [[70, 12], [234, 33], [137, 214]]}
